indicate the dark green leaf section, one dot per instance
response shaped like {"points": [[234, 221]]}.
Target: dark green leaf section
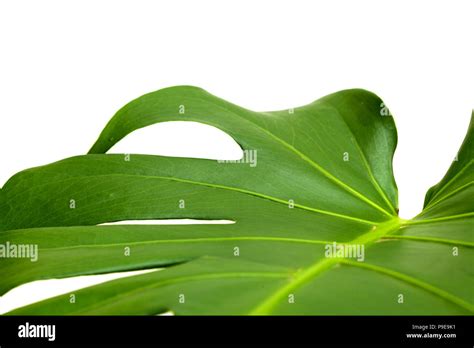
{"points": [[454, 193], [149, 187], [323, 175], [89, 250], [222, 286], [314, 137], [218, 285]]}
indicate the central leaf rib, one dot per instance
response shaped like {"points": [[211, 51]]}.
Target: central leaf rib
{"points": [[323, 265]]}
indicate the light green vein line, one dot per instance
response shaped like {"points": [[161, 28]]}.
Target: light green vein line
{"points": [[440, 219], [430, 239], [445, 186], [330, 176], [460, 188], [261, 195], [415, 282], [194, 240], [230, 188]]}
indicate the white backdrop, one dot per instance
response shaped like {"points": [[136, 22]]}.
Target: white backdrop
{"points": [[67, 66]]}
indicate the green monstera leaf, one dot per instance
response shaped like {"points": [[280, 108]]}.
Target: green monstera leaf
{"points": [[313, 210]]}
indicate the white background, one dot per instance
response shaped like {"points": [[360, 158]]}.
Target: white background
{"points": [[67, 66]]}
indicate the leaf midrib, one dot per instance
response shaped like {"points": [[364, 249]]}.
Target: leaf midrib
{"points": [[325, 264]]}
